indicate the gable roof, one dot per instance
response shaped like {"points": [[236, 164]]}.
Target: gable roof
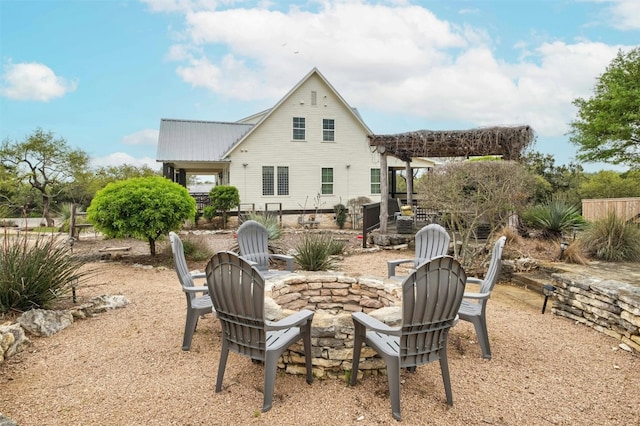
{"points": [[211, 141], [267, 113], [191, 140]]}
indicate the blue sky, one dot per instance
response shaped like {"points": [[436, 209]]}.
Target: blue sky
{"points": [[101, 74]]}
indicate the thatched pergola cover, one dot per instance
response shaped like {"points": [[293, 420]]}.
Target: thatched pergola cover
{"points": [[509, 142]]}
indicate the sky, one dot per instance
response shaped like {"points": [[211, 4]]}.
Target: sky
{"points": [[102, 74]]}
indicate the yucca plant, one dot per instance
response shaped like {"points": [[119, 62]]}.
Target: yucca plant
{"points": [[554, 218], [35, 272], [313, 252], [612, 239]]}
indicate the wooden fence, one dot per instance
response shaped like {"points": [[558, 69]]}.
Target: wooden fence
{"points": [[625, 208]]}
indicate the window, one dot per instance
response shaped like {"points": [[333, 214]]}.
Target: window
{"points": [[375, 181], [328, 130], [298, 128], [267, 180], [269, 183], [283, 180], [327, 181], [314, 98]]}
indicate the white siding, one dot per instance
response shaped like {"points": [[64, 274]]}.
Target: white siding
{"points": [[271, 144]]}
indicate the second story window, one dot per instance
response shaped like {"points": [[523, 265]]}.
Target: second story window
{"points": [[328, 130], [299, 127]]}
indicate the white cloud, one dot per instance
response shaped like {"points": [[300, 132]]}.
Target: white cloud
{"points": [[400, 59], [120, 158], [143, 137], [33, 81], [625, 14]]}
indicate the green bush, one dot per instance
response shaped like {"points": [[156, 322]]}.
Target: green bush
{"points": [[612, 239], [222, 199], [34, 272], [554, 218], [313, 252], [341, 214], [145, 208]]}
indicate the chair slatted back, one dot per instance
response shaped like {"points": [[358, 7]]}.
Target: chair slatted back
{"points": [[431, 241], [180, 262], [237, 291], [253, 241], [493, 272], [431, 297]]}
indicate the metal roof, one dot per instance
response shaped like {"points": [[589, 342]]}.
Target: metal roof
{"points": [[191, 140]]}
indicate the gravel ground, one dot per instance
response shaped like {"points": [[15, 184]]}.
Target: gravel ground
{"points": [[125, 367]]}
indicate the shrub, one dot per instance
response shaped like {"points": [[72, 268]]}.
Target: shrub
{"points": [[270, 222], [341, 214], [35, 272], [554, 218], [313, 252], [145, 207], [223, 198], [196, 249], [612, 239]]}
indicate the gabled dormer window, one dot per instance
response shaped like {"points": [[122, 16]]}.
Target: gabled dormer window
{"points": [[299, 128], [328, 130]]}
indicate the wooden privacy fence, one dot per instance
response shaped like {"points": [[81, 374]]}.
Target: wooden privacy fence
{"points": [[625, 208]]}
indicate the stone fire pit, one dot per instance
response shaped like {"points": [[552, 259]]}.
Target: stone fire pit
{"points": [[333, 296]]}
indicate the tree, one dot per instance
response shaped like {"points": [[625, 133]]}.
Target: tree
{"points": [[223, 198], [469, 194], [552, 180], [610, 184], [608, 124], [85, 185], [45, 163], [145, 208]]}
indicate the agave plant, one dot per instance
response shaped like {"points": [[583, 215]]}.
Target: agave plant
{"points": [[554, 218], [270, 222]]}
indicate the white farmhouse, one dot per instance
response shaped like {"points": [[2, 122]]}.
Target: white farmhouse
{"points": [[310, 148]]}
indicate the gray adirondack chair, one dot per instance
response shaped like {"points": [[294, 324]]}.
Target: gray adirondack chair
{"points": [[431, 297], [431, 241], [237, 289], [253, 241], [198, 301], [474, 304]]}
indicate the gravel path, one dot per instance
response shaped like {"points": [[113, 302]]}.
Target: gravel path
{"points": [[125, 367]]}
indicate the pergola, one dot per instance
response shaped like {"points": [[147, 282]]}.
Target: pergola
{"points": [[506, 141]]}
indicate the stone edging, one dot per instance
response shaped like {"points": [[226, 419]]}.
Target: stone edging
{"points": [[608, 306]]}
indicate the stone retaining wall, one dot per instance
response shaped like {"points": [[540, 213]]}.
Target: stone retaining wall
{"points": [[609, 306], [333, 296]]}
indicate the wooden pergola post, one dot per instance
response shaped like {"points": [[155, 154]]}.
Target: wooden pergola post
{"points": [[384, 190], [409, 173]]}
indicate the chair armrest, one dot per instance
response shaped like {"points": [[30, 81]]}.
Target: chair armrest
{"points": [[371, 323], [294, 320], [474, 280], [392, 264], [195, 289], [249, 261], [197, 274], [286, 258], [478, 296]]}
